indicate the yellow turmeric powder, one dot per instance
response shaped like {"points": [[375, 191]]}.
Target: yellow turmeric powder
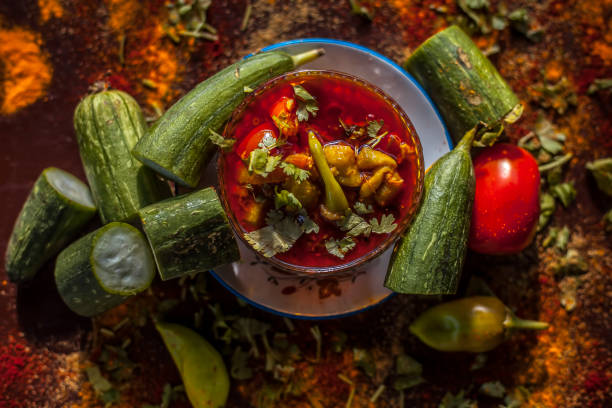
{"points": [[26, 69]]}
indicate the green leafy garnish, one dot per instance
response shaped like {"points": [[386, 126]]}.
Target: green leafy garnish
{"points": [[408, 372], [286, 199], [493, 389], [386, 225], [565, 192], [364, 360], [281, 232], [547, 208], [307, 104], [294, 171], [374, 127], [363, 209], [354, 225], [339, 247], [262, 163], [225, 144], [602, 171], [457, 401], [599, 84]]}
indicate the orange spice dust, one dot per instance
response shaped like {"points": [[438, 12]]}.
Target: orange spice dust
{"points": [[50, 9], [148, 55], [27, 72]]}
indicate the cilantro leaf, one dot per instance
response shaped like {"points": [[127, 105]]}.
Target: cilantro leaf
{"points": [[286, 199], [362, 209], [374, 127], [307, 224], [294, 171], [355, 225], [387, 224], [281, 232], [307, 104], [225, 144], [339, 247], [260, 162], [565, 192]]}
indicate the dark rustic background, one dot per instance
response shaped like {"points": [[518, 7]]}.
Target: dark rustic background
{"points": [[52, 51]]}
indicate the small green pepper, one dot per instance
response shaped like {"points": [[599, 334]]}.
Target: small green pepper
{"points": [[200, 365], [335, 200], [475, 324]]}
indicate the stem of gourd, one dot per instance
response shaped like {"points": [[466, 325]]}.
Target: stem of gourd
{"points": [[303, 58]]}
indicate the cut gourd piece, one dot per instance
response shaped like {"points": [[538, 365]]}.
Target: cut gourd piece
{"points": [[102, 269]]}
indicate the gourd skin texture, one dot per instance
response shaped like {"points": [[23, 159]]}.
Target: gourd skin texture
{"points": [[108, 125], [199, 364], [189, 234], [429, 257], [462, 82], [47, 222], [178, 144]]}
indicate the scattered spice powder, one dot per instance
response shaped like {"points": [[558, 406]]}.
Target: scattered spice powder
{"points": [[27, 72], [50, 9]]}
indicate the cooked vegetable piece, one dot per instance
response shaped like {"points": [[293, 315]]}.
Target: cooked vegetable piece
{"points": [[58, 206], [284, 117], [335, 200], [341, 159], [390, 188], [305, 191], [178, 144], [189, 234], [475, 324], [201, 367], [102, 269], [428, 259], [108, 124], [373, 183], [253, 139], [369, 158], [462, 82]]}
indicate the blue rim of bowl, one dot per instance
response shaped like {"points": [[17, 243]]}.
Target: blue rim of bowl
{"points": [[448, 138]]}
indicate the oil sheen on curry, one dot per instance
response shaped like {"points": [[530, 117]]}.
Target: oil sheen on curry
{"points": [[322, 170]]}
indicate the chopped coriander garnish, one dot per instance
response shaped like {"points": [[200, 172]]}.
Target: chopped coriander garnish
{"points": [[260, 162], [225, 144], [362, 208], [307, 104], [294, 171], [281, 232], [374, 127], [286, 199], [387, 224], [354, 225], [339, 247]]}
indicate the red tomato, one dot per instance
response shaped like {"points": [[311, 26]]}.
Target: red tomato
{"points": [[507, 204], [251, 141]]}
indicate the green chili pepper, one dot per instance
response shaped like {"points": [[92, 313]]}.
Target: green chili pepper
{"points": [[475, 324], [335, 200], [200, 365]]}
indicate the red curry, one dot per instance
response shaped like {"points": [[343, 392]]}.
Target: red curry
{"points": [[367, 145]]}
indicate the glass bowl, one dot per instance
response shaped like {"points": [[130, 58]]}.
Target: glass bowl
{"points": [[403, 222]]}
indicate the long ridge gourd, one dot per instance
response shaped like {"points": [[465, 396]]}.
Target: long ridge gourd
{"points": [[57, 208], [463, 83], [428, 259], [104, 268], [108, 125], [178, 144], [189, 234]]}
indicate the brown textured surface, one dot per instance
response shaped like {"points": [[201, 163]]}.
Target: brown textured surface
{"points": [[566, 366]]}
